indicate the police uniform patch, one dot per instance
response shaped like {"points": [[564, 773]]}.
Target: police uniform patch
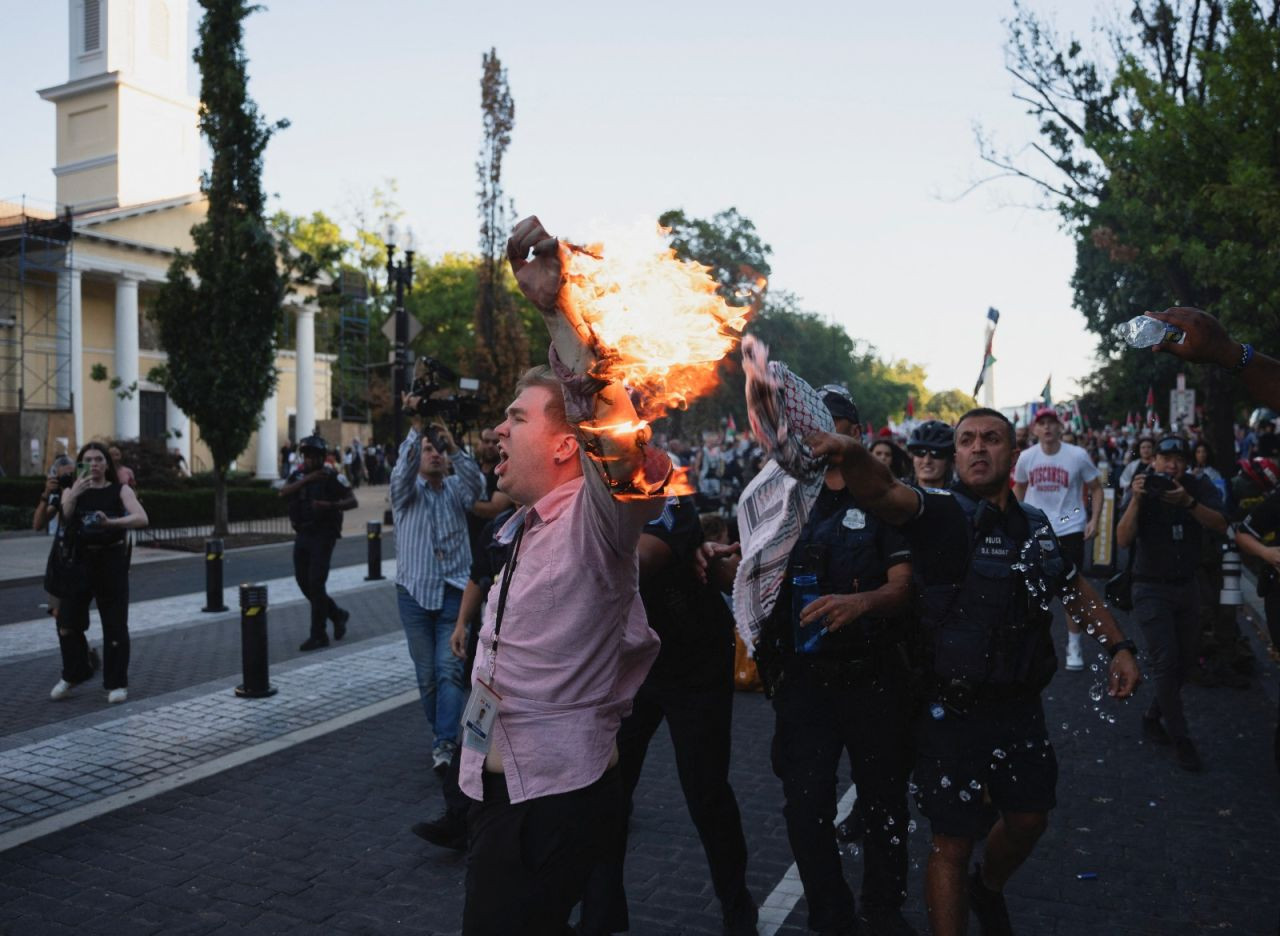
{"points": [[854, 519]]}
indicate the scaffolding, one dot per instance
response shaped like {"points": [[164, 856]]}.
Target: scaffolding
{"points": [[351, 378], [35, 309]]}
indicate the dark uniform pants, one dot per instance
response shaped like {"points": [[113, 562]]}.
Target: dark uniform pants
{"points": [[815, 725], [1169, 618], [312, 554], [699, 721], [528, 863]]}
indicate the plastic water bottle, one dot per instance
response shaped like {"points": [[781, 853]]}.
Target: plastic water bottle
{"points": [[1143, 331], [804, 589]]}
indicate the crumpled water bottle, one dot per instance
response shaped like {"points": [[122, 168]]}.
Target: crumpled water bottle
{"points": [[1143, 331], [804, 589]]}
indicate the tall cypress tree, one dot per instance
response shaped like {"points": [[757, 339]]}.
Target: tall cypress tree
{"points": [[219, 309]]}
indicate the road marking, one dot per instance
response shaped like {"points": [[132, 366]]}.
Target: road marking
{"points": [[63, 820], [783, 899]]}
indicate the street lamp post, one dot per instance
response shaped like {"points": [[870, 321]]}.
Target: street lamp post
{"points": [[400, 276]]}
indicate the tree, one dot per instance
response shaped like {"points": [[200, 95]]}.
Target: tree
{"points": [[727, 242], [502, 348], [1162, 162], [219, 309]]}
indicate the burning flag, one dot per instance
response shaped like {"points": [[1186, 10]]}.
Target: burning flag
{"points": [[644, 317]]}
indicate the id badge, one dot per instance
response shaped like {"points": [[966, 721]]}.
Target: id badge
{"points": [[479, 717], [1177, 532]]}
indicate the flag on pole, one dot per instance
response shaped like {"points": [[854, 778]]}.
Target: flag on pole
{"points": [[911, 407], [1046, 395], [1151, 407], [731, 430], [1077, 418], [993, 316]]}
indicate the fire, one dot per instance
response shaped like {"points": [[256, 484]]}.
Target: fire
{"points": [[658, 323]]}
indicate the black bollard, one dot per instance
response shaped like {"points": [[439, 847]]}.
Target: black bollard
{"points": [[213, 576], [374, 531], [253, 643]]}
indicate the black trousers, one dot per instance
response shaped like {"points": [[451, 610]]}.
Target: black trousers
{"points": [[816, 723], [312, 554], [102, 575], [527, 863], [699, 720]]}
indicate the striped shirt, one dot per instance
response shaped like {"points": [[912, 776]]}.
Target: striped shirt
{"points": [[432, 548]]}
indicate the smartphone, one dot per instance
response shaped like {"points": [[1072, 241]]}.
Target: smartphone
{"points": [[82, 470]]}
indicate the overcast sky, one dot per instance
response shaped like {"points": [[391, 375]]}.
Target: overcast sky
{"points": [[844, 130]]}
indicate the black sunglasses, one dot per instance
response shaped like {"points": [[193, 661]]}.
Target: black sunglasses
{"points": [[1172, 447], [939, 454]]}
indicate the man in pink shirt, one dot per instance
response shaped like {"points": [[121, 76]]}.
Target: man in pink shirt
{"points": [[565, 643]]}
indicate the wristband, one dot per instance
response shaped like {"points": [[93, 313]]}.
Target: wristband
{"points": [[1246, 355], [1123, 645]]}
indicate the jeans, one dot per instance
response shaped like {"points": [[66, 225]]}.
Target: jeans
{"points": [[439, 672]]}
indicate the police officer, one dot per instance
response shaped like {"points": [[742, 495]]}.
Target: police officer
{"points": [[985, 569], [933, 448], [845, 690], [1256, 537], [1166, 513], [318, 494]]}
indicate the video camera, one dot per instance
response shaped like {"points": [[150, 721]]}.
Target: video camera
{"points": [[458, 410]]}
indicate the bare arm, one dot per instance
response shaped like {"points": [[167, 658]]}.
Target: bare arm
{"points": [[468, 610], [1020, 490], [135, 517], [1127, 528], [1095, 508], [487, 510], [1252, 546], [1207, 342], [871, 483], [288, 490], [43, 514], [654, 555], [1084, 603]]}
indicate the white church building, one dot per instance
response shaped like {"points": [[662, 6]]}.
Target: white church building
{"points": [[77, 276]]}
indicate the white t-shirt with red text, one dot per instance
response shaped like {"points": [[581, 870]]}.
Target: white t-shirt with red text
{"points": [[1055, 484]]}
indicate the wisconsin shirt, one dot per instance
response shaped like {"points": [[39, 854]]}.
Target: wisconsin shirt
{"points": [[1055, 484]]}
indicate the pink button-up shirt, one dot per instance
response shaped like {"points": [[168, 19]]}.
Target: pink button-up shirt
{"points": [[574, 645]]}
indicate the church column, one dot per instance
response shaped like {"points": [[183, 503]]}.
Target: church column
{"points": [[69, 281], [128, 419], [306, 371], [178, 424], [268, 452]]}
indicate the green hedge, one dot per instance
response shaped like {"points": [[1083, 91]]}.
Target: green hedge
{"points": [[192, 506]]}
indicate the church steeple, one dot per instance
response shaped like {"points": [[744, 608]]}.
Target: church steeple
{"points": [[127, 130]]}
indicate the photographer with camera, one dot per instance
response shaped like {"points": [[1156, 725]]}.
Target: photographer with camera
{"points": [[318, 494], [97, 511], [433, 561], [62, 474], [1164, 516]]}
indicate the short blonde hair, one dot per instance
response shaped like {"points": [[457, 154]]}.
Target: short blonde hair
{"points": [[543, 376]]}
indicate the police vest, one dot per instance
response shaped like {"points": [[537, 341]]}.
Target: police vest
{"points": [[990, 631]]}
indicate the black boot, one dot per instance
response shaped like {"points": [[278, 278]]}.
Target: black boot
{"points": [[447, 831], [988, 906]]}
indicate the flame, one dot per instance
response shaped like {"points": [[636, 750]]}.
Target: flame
{"points": [[658, 323], [654, 322]]}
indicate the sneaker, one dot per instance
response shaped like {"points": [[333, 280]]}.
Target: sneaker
{"points": [[314, 643], [116, 696], [1187, 756], [340, 623], [441, 759], [885, 921], [448, 831], [1075, 659], [61, 690], [988, 906], [1154, 731]]}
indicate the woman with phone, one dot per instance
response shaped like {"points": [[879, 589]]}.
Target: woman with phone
{"points": [[47, 515], [97, 510]]}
